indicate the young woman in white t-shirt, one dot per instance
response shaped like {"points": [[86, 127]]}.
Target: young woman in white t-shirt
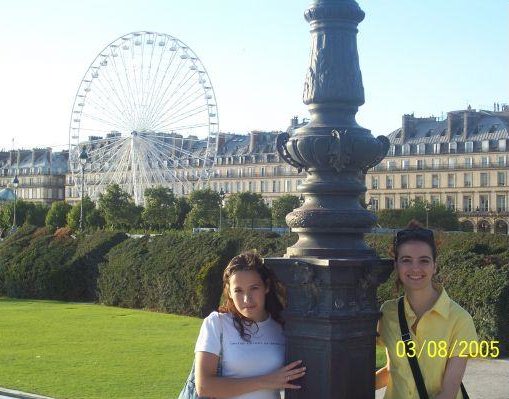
{"points": [[253, 344]]}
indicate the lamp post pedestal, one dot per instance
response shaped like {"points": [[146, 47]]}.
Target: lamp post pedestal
{"points": [[331, 274]]}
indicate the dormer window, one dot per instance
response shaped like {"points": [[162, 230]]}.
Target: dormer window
{"points": [[459, 131], [398, 135], [443, 132], [428, 133], [493, 128]]}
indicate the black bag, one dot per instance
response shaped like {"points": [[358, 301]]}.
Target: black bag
{"points": [[414, 364], [189, 390]]}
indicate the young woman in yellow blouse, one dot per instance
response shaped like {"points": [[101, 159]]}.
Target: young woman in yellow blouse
{"points": [[439, 328]]}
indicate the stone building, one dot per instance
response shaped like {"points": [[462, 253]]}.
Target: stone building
{"points": [[461, 162], [40, 171]]}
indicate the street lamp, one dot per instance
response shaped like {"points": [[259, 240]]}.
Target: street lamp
{"points": [[83, 162], [15, 183], [427, 208], [301, 200], [222, 194]]}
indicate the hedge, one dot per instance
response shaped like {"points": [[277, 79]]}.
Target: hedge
{"points": [[36, 263], [180, 272]]}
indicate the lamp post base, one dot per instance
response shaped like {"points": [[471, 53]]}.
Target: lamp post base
{"points": [[331, 323]]}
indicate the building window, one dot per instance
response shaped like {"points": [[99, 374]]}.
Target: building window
{"points": [[450, 180], [389, 180], [262, 186], [484, 179], [250, 187], [485, 162], [262, 171], [391, 165], [502, 145], [435, 200], [501, 203], [419, 181], [501, 178], [469, 162], [436, 148], [420, 164], [502, 160], [404, 202], [453, 147], [449, 203], [374, 204], [469, 146], [467, 179], [467, 203], [404, 181], [452, 163], [484, 205], [405, 149], [288, 187], [434, 181], [421, 148], [485, 146], [238, 186], [374, 182], [389, 203], [405, 164], [435, 163], [274, 189]]}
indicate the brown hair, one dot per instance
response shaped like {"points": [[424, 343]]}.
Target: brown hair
{"points": [[414, 232], [274, 299]]}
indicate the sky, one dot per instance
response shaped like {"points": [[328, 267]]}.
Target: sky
{"points": [[422, 57]]}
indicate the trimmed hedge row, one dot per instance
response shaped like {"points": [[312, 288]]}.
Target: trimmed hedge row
{"points": [[181, 273], [35, 263]]}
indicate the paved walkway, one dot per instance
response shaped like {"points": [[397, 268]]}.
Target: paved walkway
{"points": [[484, 379]]}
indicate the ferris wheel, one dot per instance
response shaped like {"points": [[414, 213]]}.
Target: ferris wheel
{"points": [[145, 115]]}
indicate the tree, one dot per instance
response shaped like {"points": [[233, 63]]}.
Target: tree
{"points": [[246, 205], [118, 208], [159, 212], [92, 218], [57, 214], [204, 209], [36, 214], [7, 212], [182, 208], [438, 216], [389, 218], [282, 206]]}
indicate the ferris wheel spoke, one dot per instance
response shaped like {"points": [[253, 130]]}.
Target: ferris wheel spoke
{"points": [[170, 147], [123, 88], [169, 83], [107, 113], [172, 94], [121, 107], [196, 94], [102, 161], [104, 121], [180, 110], [130, 95], [110, 167]]}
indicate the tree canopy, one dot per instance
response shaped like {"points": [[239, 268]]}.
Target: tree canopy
{"points": [[282, 206], [160, 211], [246, 206], [204, 209]]}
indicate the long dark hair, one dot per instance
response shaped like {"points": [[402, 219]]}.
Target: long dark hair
{"points": [[274, 300]]}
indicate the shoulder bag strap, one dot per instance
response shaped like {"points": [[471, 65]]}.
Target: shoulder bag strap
{"points": [[219, 364], [414, 365]]}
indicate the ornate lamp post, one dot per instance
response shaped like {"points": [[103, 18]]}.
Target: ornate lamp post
{"points": [[222, 194], [331, 274], [83, 162], [15, 183]]}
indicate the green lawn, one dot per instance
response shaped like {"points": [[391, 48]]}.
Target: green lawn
{"points": [[75, 350]]}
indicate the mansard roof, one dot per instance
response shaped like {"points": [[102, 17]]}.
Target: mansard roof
{"points": [[481, 125]]}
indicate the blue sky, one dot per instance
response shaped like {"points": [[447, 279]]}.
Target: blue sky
{"points": [[423, 57]]}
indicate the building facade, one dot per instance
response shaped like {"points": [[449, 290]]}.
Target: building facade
{"points": [[40, 171], [461, 162]]}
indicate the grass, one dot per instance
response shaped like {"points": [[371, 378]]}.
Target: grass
{"points": [[85, 351]]}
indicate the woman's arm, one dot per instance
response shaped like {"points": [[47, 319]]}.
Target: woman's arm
{"points": [[209, 384], [382, 375], [452, 377]]}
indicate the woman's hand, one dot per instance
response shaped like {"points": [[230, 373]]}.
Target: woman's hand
{"points": [[282, 378]]}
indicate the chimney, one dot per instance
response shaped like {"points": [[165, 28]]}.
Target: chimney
{"points": [[453, 123], [407, 126], [294, 122], [253, 141], [220, 141], [470, 118]]}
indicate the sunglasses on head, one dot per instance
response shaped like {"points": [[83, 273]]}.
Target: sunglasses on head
{"points": [[409, 234]]}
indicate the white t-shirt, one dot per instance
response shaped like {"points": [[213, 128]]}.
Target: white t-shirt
{"points": [[262, 354]]}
